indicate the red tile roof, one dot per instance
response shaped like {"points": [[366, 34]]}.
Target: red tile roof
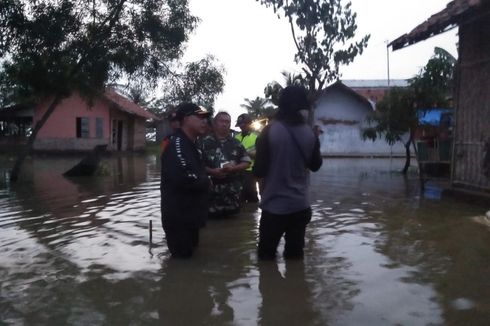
{"points": [[124, 104], [454, 13]]}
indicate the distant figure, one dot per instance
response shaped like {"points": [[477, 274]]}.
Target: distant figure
{"points": [[225, 159], [286, 150], [88, 165], [248, 138], [184, 183]]}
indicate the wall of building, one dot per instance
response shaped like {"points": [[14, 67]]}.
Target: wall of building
{"points": [[59, 131], [471, 168], [342, 118]]}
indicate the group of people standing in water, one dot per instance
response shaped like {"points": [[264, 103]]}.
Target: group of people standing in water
{"points": [[209, 174]]}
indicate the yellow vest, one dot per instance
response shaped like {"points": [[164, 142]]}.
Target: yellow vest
{"points": [[248, 142]]}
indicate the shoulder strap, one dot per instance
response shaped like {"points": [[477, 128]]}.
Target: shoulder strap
{"points": [[295, 141]]}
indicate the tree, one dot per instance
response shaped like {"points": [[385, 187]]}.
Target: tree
{"points": [[52, 48], [259, 108], [397, 114], [394, 119], [322, 32], [200, 83]]}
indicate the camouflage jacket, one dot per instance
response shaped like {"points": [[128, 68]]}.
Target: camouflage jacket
{"points": [[218, 152]]}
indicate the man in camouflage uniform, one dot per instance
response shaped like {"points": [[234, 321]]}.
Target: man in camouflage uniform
{"points": [[225, 158]]}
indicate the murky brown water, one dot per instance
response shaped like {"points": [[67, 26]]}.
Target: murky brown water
{"points": [[76, 252]]}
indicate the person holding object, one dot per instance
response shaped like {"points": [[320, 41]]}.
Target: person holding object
{"points": [[287, 149], [225, 159], [247, 137], [184, 183]]}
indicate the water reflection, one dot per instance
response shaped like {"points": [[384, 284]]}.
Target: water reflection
{"points": [[286, 295], [378, 252]]}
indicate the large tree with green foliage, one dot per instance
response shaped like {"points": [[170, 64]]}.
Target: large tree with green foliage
{"points": [[199, 82], [52, 48], [396, 116], [323, 32]]}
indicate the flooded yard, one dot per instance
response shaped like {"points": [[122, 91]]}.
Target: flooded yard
{"points": [[378, 252]]}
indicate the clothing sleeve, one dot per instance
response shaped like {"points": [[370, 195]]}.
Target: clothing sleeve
{"points": [[261, 166], [180, 170], [316, 157], [244, 157]]}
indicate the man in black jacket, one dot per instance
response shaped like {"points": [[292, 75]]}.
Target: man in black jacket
{"points": [[184, 183]]}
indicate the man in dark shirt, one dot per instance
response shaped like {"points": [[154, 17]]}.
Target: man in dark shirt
{"points": [[287, 150], [184, 183]]}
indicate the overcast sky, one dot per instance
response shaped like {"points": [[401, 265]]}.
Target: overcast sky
{"points": [[254, 45]]}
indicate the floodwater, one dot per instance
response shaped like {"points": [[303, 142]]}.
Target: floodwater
{"points": [[378, 252]]}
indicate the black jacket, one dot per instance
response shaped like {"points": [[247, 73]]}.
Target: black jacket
{"points": [[184, 184]]}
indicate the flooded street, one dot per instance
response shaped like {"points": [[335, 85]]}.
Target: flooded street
{"points": [[378, 252]]}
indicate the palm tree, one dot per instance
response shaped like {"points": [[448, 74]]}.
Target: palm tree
{"points": [[259, 107]]}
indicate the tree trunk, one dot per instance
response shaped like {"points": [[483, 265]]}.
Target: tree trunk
{"points": [[407, 153], [14, 175], [407, 157]]}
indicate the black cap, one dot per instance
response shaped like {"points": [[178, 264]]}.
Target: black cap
{"points": [[243, 118], [187, 109]]}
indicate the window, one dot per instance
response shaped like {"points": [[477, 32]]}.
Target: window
{"points": [[82, 127], [99, 127]]}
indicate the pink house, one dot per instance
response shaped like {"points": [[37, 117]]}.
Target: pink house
{"points": [[111, 120]]}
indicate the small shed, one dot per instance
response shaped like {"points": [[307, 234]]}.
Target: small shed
{"points": [[341, 113], [471, 149]]}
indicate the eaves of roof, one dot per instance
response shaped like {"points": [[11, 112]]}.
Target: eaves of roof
{"points": [[124, 104], [338, 85], [455, 12]]}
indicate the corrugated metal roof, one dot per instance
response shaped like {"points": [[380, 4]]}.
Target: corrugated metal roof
{"points": [[375, 83], [124, 104], [440, 22]]}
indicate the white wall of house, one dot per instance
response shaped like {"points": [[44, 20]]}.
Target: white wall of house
{"points": [[342, 116]]}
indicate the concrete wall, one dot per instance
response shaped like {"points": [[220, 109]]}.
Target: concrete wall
{"points": [[342, 118], [59, 131]]}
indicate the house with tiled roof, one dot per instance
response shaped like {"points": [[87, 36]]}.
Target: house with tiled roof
{"points": [[77, 125]]}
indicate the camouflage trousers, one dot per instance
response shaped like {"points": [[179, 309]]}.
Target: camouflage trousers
{"points": [[224, 198]]}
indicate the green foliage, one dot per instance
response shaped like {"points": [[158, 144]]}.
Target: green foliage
{"points": [[54, 47], [396, 114], [434, 84], [259, 108], [323, 33], [200, 83]]}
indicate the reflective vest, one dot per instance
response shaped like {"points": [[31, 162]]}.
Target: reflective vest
{"points": [[248, 142]]}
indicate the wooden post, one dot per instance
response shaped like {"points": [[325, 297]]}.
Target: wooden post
{"points": [[151, 231]]}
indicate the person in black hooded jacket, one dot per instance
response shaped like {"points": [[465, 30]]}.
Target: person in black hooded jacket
{"points": [[184, 183]]}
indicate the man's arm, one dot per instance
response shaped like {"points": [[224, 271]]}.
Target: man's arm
{"points": [[316, 157]]}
